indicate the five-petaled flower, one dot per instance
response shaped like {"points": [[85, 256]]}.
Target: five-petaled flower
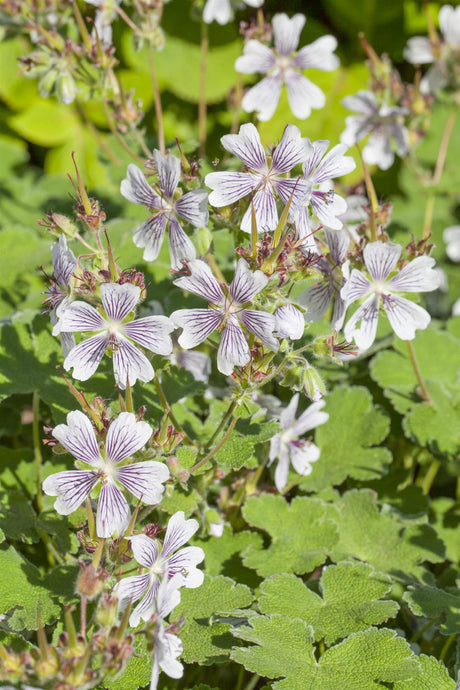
{"points": [[229, 310], [114, 331], [264, 178], [289, 447], [284, 65], [404, 316], [164, 561], [124, 437], [383, 123], [166, 210]]}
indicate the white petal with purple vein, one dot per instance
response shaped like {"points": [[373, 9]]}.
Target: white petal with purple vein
{"points": [[130, 589], [318, 55], [201, 282], [264, 205], [303, 95], [168, 169], [282, 469], [126, 436], [246, 284], [71, 488], [287, 416], [233, 349], [303, 456], [137, 190], [310, 419], [263, 97], [151, 332], [405, 316], [291, 150], [192, 207], [261, 324], [144, 480], [80, 316], [417, 276], [368, 315], [112, 511], [287, 32], [78, 437], [381, 258], [230, 186], [145, 550], [197, 324], [119, 300], [178, 532], [246, 146], [146, 607], [149, 236], [290, 322], [357, 286], [85, 357], [181, 247], [184, 562], [256, 58], [128, 360]]}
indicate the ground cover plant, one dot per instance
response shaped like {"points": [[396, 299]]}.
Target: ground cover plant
{"points": [[230, 345]]}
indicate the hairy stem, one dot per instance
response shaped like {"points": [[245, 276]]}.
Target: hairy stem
{"points": [[430, 476], [169, 412], [211, 454], [423, 389], [223, 422]]}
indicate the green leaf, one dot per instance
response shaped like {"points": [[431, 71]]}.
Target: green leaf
{"points": [[17, 518], [204, 641], [23, 593], [46, 122], [434, 676], [446, 523], [223, 554], [283, 648], [239, 449], [349, 602], [435, 424], [17, 91], [433, 603], [386, 540], [393, 370], [302, 534], [176, 68], [347, 441]]}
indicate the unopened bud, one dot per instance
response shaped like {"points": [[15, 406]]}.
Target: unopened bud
{"points": [[90, 581], [313, 384], [107, 610], [203, 239]]}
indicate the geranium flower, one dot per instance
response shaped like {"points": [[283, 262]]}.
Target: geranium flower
{"points": [[105, 15], [166, 210], [420, 50], [125, 436], [319, 170], [114, 332], [266, 177], [404, 316], [221, 10], [317, 297], [59, 291], [161, 562], [283, 65], [383, 123], [288, 447], [228, 312]]}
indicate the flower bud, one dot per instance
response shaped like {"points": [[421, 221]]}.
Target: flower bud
{"points": [[203, 238], [66, 88], [313, 384], [90, 581]]}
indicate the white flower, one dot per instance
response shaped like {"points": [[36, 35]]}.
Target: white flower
{"points": [[288, 447], [284, 65], [160, 562], [124, 438], [228, 312], [404, 316], [382, 122], [113, 331], [266, 176], [167, 646]]}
